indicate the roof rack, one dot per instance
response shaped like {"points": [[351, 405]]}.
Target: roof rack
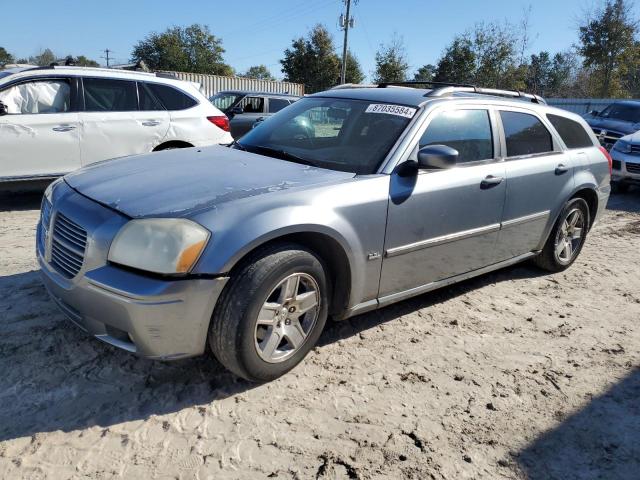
{"points": [[444, 89]]}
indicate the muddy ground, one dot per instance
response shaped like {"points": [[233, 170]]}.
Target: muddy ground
{"points": [[517, 374]]}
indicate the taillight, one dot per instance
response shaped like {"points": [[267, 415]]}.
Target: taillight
{"points": [[609, 159], [220, 121]]}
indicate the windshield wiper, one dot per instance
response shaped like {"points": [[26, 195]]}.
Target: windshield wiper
{"points": [[284, 155]]}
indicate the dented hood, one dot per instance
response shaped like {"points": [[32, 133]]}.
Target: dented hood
{"points": [[183, 182]]}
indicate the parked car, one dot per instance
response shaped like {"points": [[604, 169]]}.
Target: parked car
{"points": [[54, 120], [626, 162], [615, 121], [346, 201], [245, 108]]}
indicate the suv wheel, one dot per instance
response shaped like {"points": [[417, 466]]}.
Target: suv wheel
{"points": [[566, 238], [271, 313]]}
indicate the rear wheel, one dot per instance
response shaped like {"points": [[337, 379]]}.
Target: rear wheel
{"points": [[567, 237], [271, 313]]}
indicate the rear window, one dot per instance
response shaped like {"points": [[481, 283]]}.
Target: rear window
{"points": [[572, 133], [277, 104], [107, 95], [172, 98], [525, 134]]}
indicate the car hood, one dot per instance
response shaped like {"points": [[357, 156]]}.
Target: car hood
{"points": [[186, 181], [611, 124]]}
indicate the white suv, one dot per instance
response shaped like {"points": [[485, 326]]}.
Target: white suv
{"points": [[56, 119]]}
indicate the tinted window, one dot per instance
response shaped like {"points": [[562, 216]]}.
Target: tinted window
{"points": [[224, 100], [172, 98], [48, 96], [108, 95], [571, 132], [468, 131], [525, 134], [622, 111], [148, 101], [277, 104]]}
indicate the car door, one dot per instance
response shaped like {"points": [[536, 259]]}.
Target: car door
{"points": [[253, 107], [443, 223], [539, 179], [40, 134], [113, 125]]}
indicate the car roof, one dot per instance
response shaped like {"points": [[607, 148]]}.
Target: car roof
{"points": [[401, 95], [92, 71], [253, 92]]}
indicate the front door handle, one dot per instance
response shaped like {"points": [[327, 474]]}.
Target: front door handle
{"points": [[490, 181], [562, 168], [63, 128], [151, 123]]}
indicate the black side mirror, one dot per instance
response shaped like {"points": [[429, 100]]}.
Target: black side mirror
{"points": [[437, 157], [3, 109], [237, 110]]}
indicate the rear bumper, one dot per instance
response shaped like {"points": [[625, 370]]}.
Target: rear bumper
{"points": [[153, 318]]}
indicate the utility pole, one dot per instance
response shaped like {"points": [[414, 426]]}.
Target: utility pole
{"points": [[346, 22], [107, 52]]}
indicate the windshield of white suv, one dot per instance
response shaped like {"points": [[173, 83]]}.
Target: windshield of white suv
{"points": [[621, 111], [338, 134], [224, 100]]}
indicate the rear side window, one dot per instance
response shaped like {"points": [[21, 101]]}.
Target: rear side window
{"points": [[572, 133], [468, 131], [108, 95], [171, 98], [37, 97], [525, 134], [277, 104], [148, 101]]}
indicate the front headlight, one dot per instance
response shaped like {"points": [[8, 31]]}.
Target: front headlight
{"points": [[159, 245], [622, 146], [49, 191]]}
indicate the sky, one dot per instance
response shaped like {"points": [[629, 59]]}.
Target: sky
{"points": [[257, 32]]}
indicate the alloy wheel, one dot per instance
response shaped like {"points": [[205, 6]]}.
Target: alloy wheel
{"points": [[570, 236]]}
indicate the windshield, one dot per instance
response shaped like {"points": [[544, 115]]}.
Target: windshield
{"points": [[224, 100], [339, 134], [621, 111]]}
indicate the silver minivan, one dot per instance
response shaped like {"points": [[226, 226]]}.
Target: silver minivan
{"points": [[343, 202]]}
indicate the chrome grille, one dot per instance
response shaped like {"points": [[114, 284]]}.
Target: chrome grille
{"points": [[606, 137], [633, 167], [45, 223], [635, 148], [68, 245]]}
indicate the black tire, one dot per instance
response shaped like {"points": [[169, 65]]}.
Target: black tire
{"points": [[619, 187], [232, 332], [549, 259]]}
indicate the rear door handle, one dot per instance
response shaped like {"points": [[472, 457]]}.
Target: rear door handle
{"points": [[490, 181], [63, 128], [151, 123], [562, 168]]}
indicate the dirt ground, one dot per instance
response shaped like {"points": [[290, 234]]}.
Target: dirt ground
{"points": [[516, 374]]}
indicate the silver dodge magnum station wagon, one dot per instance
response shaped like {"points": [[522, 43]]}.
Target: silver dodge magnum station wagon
{"points": [[343, 202]]}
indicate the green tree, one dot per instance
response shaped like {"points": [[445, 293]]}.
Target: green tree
{"points": [[260, 72], [312, 61], [353, 73], [83, 61], [5, 57], [458, 62], [391, 62], [607, 37], [43, 59], [426, 73], [186, 49], [539, 73]]}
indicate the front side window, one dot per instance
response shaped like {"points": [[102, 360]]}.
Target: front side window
{"points": [[467, 131], [525, 134], [42, 96], [171, 98], [339, 134], [277, 104], [223, 101], [572, 133], [108, 95]]}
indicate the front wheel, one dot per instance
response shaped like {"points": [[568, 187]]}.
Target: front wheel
{"points": [[566, 238], [271, 313]]}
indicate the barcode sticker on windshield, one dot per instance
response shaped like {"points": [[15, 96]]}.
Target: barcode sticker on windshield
{"points": [[399, 110]]}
